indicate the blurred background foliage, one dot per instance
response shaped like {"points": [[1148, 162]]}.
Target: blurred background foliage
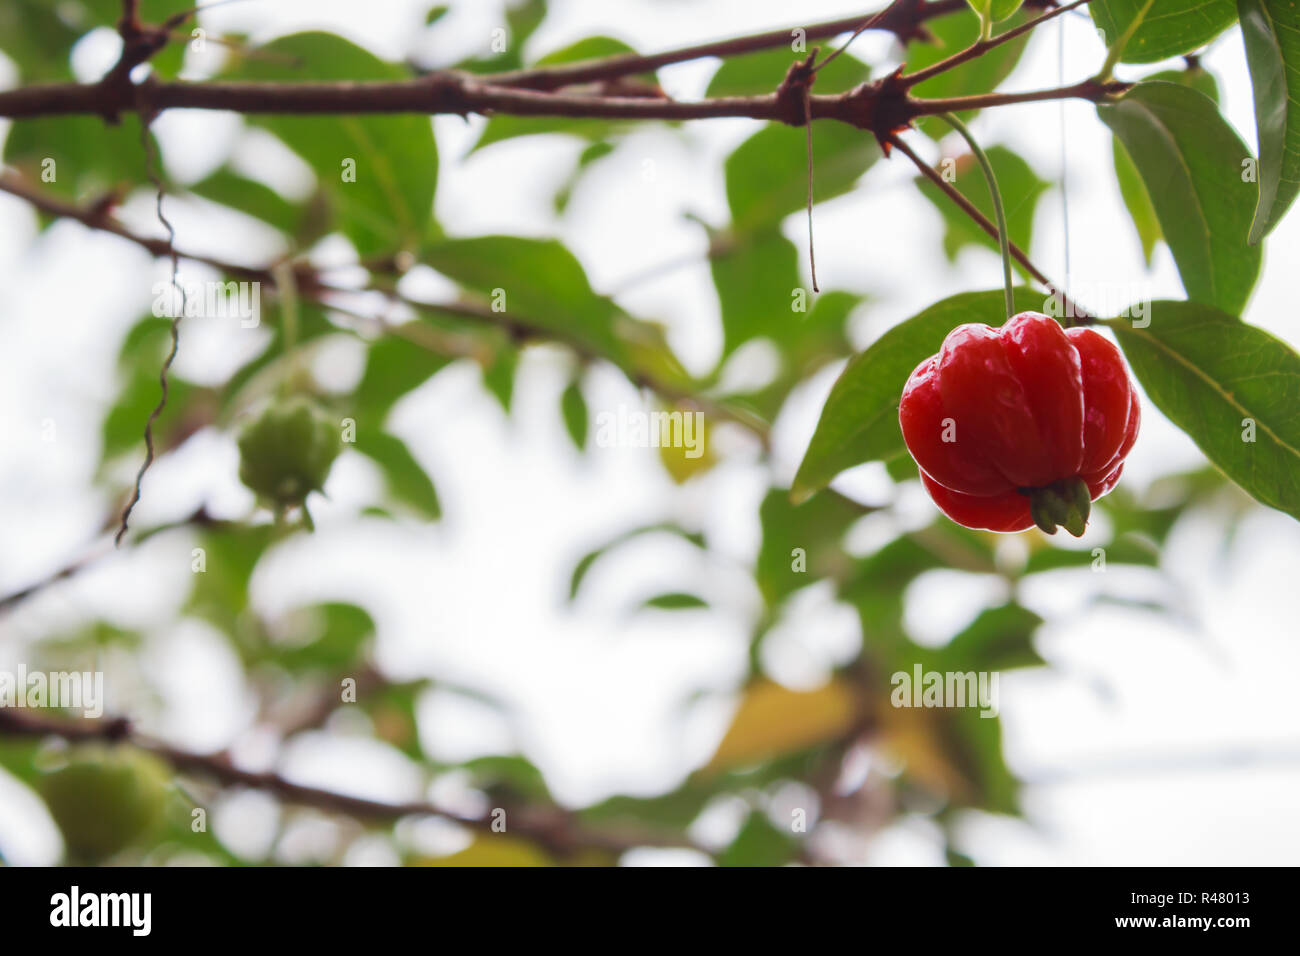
{"points": [[931, 762]]}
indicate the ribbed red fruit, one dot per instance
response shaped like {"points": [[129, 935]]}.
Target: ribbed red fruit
{"points": [[1021, 425]]}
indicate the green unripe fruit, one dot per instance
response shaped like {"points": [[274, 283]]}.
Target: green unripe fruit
{"points": [[286, 453], [105, 799]]}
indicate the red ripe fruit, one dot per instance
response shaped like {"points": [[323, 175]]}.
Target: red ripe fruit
{"points": [[1022, 425]]}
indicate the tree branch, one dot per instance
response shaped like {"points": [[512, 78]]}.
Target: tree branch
{"points": [[551, 827]]}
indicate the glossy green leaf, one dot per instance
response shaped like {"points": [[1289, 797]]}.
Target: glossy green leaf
{"points": [[801, 543], [1191, 162], [1021, 189], [859, 422], [389, 205], [1271, 29], [1170, 27], [1131, 187], [1231, 386], [998, 10]]}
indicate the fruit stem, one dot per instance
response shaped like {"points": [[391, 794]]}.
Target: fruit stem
{"points": [[1004, 239], [1117, 48]]}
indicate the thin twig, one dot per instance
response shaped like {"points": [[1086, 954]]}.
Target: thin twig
{"points": [[980, 47]]}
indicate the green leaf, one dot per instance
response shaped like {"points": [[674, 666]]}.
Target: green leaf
{"points": [[573, 406], [1271, 29], [952, 34], [759, 843], [504, 127], [756, 279], [408, 482], [390, 204], [394, 366], [1137, 199], [675, 601], [859, 422], [1191, 162], [335, 636], [251, 198], [585, 564], [1021, 189], [1170, 27], [1000, 638], [1214, 376], [997, 9], [754, 73], [540, 283], [767, 174], [89, 158], [801, 543]]}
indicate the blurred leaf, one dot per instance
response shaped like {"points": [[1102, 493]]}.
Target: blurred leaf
{"points": [[1212, 374], [573, 406], [773, 720], [759, 843], [337, 635], [859, 422], [767, 175], [1170, 28], [503, 127], [585, 564], [1000, 638], [251, 198], [1020, 187], [756, 279], [408, 482], [675, 601], [390, 204], [1191, 162], [494, 850], [394, 367], [815, 528], [90, 158], [499, 377], [751, 74], [1271, 29]]}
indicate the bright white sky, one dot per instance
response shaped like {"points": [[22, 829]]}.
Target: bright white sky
{"points": [[1151, 743]]}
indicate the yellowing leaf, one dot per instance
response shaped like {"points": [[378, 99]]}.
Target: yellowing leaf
{"points": [[775, 720]]}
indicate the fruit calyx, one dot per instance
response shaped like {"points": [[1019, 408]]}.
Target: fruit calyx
{"points": [[1066, 503]]}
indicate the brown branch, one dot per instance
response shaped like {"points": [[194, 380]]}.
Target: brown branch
{"points": [[983, 222], [551, 827], [1091, 89], [905, 20]]}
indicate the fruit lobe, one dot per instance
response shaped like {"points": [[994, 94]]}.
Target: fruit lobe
{"points": [[1002, 422]]}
